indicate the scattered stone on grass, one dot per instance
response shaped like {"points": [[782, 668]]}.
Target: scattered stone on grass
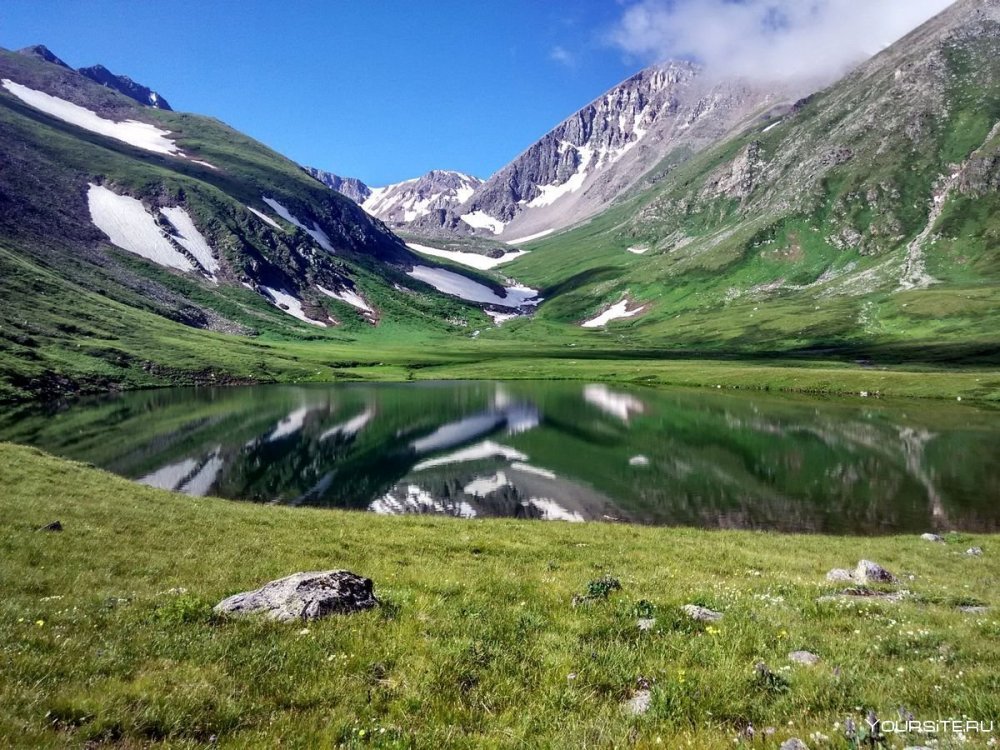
{"points": [[870, 572], [304, 596], [975, 551], [840, 574], [806, 658], [860, 592], [932, 538], [794, 744], [641, 699], [645, 623], [701, 614], [974, 610], [54, 526]]}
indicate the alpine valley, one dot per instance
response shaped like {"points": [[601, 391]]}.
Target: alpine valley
{"points": [[678, 215], [576, 452]]}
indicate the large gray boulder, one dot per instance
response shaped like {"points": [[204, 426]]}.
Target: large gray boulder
{"points": [[870, 572], [304, 596]]}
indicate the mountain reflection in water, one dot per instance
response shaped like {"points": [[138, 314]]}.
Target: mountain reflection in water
{"points": [[549, 451]]}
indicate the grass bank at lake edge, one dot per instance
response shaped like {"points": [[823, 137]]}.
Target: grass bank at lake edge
{"points": [[477, 644]]}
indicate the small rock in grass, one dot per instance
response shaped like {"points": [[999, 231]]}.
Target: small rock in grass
{"points": [[639, 703], [641, 699], [701, 614], [974, 610], [807, 658], [638, 461], [870, 572], [304, 596], [975, 551], [54, 526], [839, 574], [932, 538], [645, 623], [794, 744]]}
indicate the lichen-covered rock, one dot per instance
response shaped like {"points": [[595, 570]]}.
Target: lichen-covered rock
{"points": [[304, 596], [806, 658], [870, 572], [701, 614], [839, 574]]}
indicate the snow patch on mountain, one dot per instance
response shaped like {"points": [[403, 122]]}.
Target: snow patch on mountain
{"points": [[549, 194], [482, 220], [139, 134], [346, 295], [290, 304], [191, 239], [264, 217], [615, 312], [315, 232], [472, 260], [449, 282], [131, 227], [405, 202]]}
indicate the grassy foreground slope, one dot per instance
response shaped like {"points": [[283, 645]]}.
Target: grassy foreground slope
{"points": [[477, 644]]}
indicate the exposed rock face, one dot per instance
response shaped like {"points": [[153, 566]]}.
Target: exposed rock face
{"points": [[125, 85], [350, 187], [412, 200], [304, 596], [608, 146]]}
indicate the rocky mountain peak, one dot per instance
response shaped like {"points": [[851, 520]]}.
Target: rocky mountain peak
{"points": [[41, 52], [125, 85]]}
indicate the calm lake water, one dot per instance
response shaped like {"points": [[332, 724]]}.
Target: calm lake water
{"points": [[550, 451]]}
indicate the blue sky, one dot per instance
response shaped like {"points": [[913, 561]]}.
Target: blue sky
{"points": [[382, 90]]}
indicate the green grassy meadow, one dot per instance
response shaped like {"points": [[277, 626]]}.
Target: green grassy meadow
{"points": [[108, 636]]}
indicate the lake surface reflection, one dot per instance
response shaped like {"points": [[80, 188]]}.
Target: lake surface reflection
{"points": [[550, 451]]}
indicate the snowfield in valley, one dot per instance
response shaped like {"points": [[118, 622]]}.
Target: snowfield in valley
{"points": [[615, 312], [472, 260], [457, 285]]}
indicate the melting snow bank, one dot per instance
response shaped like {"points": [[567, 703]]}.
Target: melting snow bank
{"points": [[530, 237], [472, 260], [449, 282], [131, 227], [615, 312], [638, 249], [481, 220], [264, 217], [139, 134], [321, 237], [191, 239], [290, 304], [345, 295]]}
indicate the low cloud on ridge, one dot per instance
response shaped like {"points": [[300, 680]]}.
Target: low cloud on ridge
{"points": [[769, 39]]}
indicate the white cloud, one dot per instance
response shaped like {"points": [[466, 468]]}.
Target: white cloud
{"points": [[562, 56], [768, 39]]}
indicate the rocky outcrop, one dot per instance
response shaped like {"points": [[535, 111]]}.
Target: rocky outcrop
{"points": [[350, 187], [304, 596], [125, 85]]}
